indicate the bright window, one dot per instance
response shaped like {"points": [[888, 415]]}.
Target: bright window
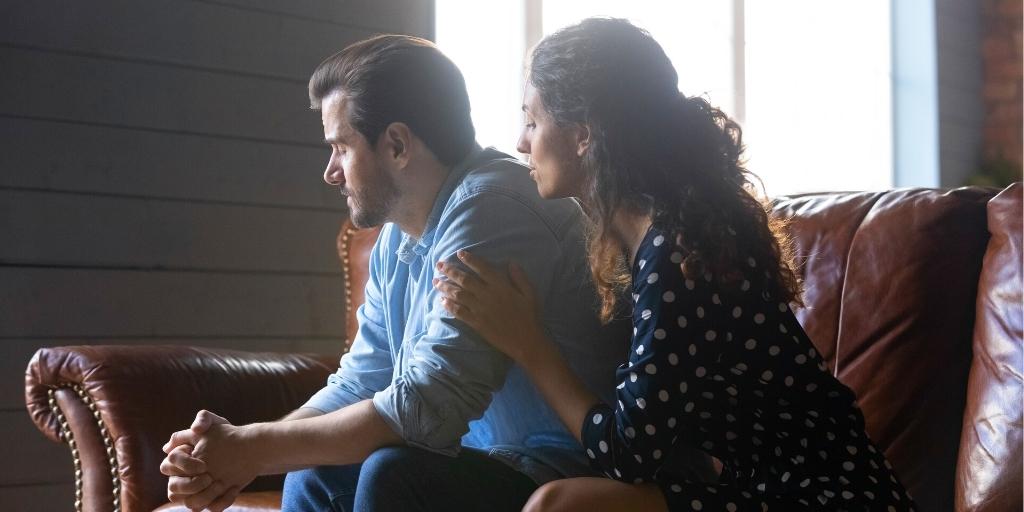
{"points": [[809, 85]]}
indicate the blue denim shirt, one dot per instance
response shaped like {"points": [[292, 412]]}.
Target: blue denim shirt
{"points": [[433, 379]]}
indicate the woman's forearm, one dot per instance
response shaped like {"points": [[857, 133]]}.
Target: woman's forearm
{"points": [[561, 388]]}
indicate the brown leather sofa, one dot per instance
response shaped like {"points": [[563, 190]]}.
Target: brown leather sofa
{"points": [[913, 296]]}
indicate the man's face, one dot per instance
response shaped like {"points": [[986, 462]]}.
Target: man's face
{"points": [[355, 167]]}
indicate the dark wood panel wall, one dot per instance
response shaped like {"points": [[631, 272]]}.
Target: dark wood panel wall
{"points": [[160, 182]]}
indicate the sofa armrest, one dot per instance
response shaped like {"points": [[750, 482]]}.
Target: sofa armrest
{"points": [[115, 406]]}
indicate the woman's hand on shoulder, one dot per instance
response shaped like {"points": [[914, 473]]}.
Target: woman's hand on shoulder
{"points": [[499, 304]]}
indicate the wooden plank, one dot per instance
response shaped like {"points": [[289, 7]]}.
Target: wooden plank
{"points": [[156, 97], [39, 497], [183, 33], [16, 353], [415, 17], [162, 165], [31, 457], [84, 303], [46, 228]]}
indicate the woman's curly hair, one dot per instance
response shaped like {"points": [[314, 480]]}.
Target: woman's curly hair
{"points": [[656, 151]]}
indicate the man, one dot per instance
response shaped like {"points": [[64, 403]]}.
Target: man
{"points": [[422, 414]]}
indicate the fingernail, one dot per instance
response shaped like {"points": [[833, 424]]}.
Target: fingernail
{"points": [[462, 254]]}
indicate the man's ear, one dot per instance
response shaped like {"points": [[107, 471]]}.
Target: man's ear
{"points": [[582, 139], [397, 142]]}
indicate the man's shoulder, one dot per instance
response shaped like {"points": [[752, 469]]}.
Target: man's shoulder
{"points": [[498, 174]]}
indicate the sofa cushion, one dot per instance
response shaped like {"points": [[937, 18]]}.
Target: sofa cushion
{"points": [[266, 501], [989, 468]]}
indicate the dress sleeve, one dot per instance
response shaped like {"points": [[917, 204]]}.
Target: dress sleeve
{"points": [[667, 389]]}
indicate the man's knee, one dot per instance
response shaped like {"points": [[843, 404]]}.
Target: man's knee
{"points": [[391, 464], [316, 488]]}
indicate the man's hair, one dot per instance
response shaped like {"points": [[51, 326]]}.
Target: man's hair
{"points": [[395, 78]]}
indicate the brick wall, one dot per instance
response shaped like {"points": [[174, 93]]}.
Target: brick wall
{"points": [[1001, 53]]}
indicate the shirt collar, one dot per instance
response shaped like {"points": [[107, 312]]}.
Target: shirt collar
{"points": [[411, 247]]}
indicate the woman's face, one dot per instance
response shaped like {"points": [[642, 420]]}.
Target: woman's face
{"points": [[554, 150]]}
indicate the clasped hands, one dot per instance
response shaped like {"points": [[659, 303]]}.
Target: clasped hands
{"points": [[208, 464]]}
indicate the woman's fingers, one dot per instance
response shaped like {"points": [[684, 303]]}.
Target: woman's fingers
{"points": [[454, 292], [483, 269]]}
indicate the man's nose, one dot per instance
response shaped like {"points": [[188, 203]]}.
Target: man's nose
{"points": [[333, 174]]}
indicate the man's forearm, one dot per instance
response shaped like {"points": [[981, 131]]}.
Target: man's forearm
{"points": [[346, 436]]}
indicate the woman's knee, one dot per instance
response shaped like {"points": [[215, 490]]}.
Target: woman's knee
{"points": [[550, 497]]}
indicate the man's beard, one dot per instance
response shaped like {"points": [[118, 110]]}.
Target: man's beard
{"points": [[371, 206]]}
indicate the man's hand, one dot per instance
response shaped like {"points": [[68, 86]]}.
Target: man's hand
{"points": [[208, 464]]}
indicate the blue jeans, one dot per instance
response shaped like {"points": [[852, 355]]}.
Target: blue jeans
{"points": [[409, 479]]}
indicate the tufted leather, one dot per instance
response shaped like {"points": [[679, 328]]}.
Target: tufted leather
{"points": [[989, 466], [144, 393]]}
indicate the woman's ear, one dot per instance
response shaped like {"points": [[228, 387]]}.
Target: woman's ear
{"points": [[397, 139], [582, 139]]}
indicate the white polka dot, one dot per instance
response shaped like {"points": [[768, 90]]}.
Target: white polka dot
{"points": [[782, 329], [630, 432], [653, 278], [671, 422], [651, 369], [639, 459], [788, 380], [681, 321], [751, 262], [590, 453], [737, 311], [689, 284], [715, 299], [668, 296], [618, 473], [730, 507], [663, 395], [759, 318], [676, 488], [852, 450], [692, 349], [707, 276], [656, 454], [659, 334], [773, 350], [673, 359], [645, 314], [696, 504], [676, 258], [700, 312], [632, 377], [682, 387], [650, 430], [642, 263], [847, 495], [800, 359], [603, 446], [640, 350], [750, 344], [745, 285], [658, 240], [597, 418], [636, 297], [700, 372], [848, 466], [783, 307], [767, 375], [641, 403], [710, 335]]}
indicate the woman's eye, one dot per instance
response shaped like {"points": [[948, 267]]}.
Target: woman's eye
{"points": [[531, 125]]}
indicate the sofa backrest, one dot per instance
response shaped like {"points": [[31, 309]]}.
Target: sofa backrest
{"points": [[891, 280], [890, 283]]}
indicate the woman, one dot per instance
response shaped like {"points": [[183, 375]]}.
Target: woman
{"points": [[719, 363]]}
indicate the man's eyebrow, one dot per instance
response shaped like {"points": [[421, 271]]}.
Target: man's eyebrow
{"points": [[334, 140]]}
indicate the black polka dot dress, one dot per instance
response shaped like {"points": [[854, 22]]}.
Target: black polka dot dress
{"points": [[732, 375]]}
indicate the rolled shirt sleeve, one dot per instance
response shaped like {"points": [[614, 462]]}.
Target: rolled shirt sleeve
{"points": [[451, 374]]}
